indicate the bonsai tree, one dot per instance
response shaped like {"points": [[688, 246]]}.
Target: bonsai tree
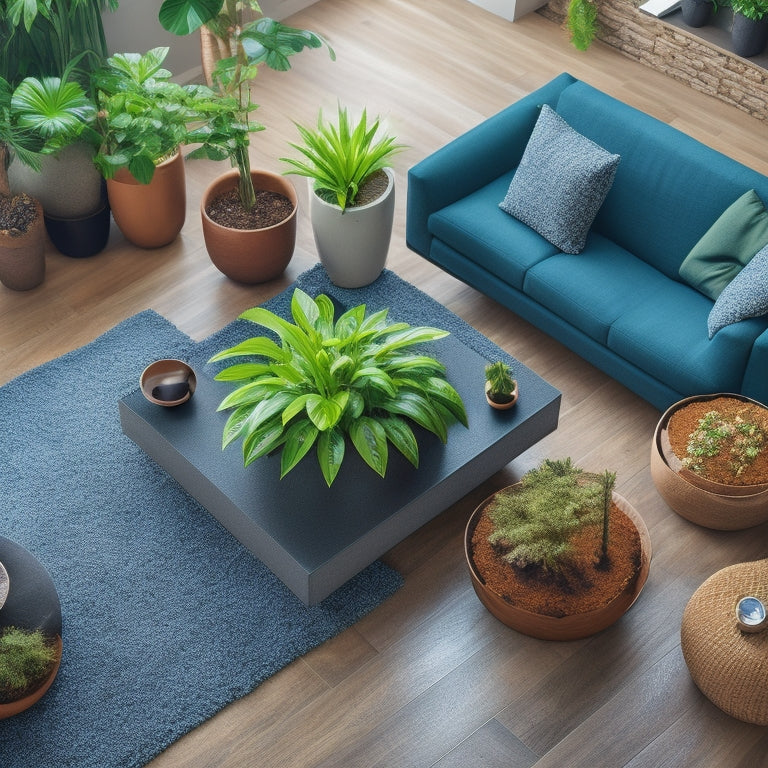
{"points": [[500, 383], [341, 157], [328, 379], [26, 659], [535, 525], [581, 22], [241, 47]]}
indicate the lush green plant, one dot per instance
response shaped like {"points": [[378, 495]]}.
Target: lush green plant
{"points": [[143, 117], [242, 46], [742, 440], [499, 376], [581, 22], [41, 37], [25, 660], [329, 378], [15, 139], [342, 156], [535, 523], [752, 9]]}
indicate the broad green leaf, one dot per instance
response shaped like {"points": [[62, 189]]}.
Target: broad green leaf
{"points": [[304, 311], [296, 407], [185, 16], [330, 453], [323, 411], [235, 425], [370, 439], [417, 408], [401, 436], [242, 372], [259, 346], [451, 399], [300, 438], [262, 441]]}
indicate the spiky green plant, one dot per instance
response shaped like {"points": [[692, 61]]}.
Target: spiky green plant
{"points": [[25, 659], [581, 22], [330, 378], [341, 156], [534, 524], [499, 377]]}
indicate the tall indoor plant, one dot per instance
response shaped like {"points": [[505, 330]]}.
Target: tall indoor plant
{"points": [[352, 194], [241, 41]]}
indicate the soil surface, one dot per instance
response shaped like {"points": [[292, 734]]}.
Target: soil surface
{"points": [[371, 189], [587, 588], [17, 214], [720, 468], [271, 208]]}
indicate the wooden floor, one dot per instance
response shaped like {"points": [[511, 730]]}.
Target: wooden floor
{"points": [[430, 678]]}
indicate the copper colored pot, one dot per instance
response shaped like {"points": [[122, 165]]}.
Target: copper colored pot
{"points": [[22, 259], [250, 255], [150, 215]]}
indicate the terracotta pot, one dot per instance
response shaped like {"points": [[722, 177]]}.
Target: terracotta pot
{"points": [[712, 505], [15, 707], [250, 255], [353, 245], [573, 627], [501, 406], [150, 215], [22, 259]]}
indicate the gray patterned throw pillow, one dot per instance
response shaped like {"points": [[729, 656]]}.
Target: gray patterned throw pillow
{"points": [[745, 296], [561, 182]]}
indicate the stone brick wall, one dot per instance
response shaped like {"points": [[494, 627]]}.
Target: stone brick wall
{"points": [[677, 53]]}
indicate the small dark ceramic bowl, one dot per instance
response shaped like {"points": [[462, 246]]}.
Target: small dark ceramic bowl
{"points": [[168, 382]]}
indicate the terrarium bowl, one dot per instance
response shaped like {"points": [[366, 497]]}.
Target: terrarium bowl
{"points": [[168, 382], [711, 505], [574, 626]]}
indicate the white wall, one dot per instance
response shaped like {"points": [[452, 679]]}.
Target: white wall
{"points": [[134, 27]]}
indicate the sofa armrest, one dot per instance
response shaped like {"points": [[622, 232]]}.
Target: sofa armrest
{"points": [[755, 383], [473, 160]]}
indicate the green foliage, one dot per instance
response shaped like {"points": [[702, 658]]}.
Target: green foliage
{"points": [[41, 37], [143, 116], [499, 375], [243, 47], [715, 433], [752, 9], [25, 659], [535, 523], [581, 22], [342, 156], [330, 378], [14, 138]]}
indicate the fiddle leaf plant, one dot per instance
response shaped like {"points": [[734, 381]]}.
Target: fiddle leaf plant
{"points": [[327, 379]]}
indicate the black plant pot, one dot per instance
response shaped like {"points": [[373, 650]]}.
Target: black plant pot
{"points": [[748, 37], [696, 13], [83, 237]]}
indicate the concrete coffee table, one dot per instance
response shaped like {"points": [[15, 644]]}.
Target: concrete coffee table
{"points": [[313, 537]]}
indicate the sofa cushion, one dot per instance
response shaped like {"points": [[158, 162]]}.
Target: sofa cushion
{"points": [[475, 227], [669, 187], [561, 182], [667, 338], [737, 235], [745, 296], [592, 289]]}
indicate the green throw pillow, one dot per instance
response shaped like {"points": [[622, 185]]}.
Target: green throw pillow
{"points": [[727, 247]]}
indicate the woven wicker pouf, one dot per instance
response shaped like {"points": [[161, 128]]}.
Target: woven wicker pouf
{"points": [[729, 666]]}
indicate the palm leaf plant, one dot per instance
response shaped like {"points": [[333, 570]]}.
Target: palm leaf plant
{"points": [[340, 157], [325, 379], [242, 46]]}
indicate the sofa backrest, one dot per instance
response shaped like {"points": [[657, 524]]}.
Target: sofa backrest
{"points": [[669, 188]]}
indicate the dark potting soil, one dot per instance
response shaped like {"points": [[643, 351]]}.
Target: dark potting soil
{"points": [[271, 208], [17, 214]]}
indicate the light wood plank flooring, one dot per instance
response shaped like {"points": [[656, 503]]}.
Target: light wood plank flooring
{"points": [[430, 678]]}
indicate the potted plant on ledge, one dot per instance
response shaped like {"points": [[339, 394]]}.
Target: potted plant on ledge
{"points": [[352, 195], [749, 33], [242, 244], [500, 386], [559, 555]]}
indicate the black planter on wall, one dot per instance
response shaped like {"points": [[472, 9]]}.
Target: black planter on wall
{"points": [[696, 13], [748, 37]]}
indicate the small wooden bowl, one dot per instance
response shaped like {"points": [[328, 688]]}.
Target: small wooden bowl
{"points": [[168, 382]]}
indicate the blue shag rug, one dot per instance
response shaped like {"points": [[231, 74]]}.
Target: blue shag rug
{"points": [[167, 618]]}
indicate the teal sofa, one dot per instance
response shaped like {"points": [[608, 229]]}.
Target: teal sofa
{"points": [[620, 303]]}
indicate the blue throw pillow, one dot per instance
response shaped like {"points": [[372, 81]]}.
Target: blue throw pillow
{"points": [[561, 182], [745, 296]]}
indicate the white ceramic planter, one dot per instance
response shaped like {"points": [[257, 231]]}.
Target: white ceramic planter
{"points": [[511, 10], [353, 245]]}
